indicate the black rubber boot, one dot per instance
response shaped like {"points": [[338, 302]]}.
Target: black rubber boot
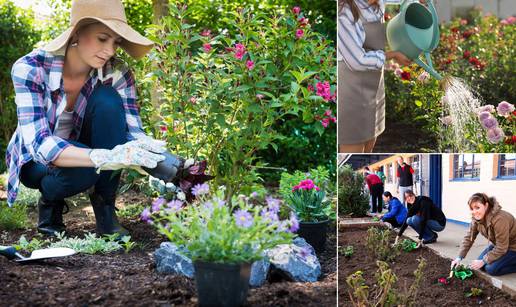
{"points": [[50, 217], [105, 216]]}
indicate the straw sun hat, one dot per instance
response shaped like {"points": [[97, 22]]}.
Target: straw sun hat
{"points": [[109, 12]]}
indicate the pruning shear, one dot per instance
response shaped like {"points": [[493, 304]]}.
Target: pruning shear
{"points": [[11, 253]]}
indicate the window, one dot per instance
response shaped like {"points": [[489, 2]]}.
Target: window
{"points": [[416, 165], [466, 166], [507, 166]]}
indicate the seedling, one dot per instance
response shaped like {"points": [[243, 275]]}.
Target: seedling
{"points": [[408, 245], [376, 219], [462, 272], [378, 243], [474, 292], [347, 251]]}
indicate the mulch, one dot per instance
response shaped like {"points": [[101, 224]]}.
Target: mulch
{"points": [[130, 279], [431, 293]]}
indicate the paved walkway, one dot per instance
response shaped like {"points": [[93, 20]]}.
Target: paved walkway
{"points": [[447, 246]]}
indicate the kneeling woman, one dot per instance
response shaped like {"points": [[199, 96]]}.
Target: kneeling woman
{"points": [[397, 212], [499, 227]]}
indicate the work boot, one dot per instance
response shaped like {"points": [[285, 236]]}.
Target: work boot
{"points": [[105, 216], [50, 216]]}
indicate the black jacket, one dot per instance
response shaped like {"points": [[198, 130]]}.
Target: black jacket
{"points": [[427, 210]]}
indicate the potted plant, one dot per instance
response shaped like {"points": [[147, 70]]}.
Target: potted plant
{"points": [[306, 201], [223, 239]]}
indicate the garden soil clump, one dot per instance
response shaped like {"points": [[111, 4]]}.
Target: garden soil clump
{"points": [[431, 293], [120, 279]]}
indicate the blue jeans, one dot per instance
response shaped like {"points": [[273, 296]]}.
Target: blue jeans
{"points": [[503, 265], [431, 226], [104, 126]]}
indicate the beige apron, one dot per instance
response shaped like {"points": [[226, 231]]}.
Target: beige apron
{"points": [[361, 95]]}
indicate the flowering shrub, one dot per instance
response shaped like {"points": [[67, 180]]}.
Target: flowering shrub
{"points": [[319, 175], [214, 230], [221, 97], [306, 200]]}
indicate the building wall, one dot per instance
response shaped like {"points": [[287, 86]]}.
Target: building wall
{"points": [[448, 9], [456, 193]]}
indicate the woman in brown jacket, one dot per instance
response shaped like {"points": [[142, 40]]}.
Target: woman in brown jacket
{"points": [[499, 227]]}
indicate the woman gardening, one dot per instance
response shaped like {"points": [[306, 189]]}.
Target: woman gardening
{"points": [[78, 118], [397, 213], [499, 227]]}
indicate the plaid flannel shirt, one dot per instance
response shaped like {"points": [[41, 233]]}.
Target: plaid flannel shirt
{"points": [[40, 99]]}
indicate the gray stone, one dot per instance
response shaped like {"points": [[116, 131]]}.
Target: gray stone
{"points": [[259, 272], [170, 259], [298, 261]]}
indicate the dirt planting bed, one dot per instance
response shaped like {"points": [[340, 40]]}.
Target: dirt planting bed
{"points": [[120, 279], [431, 292]]}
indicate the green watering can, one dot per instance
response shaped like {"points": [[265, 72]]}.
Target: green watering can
{"points": [[415, 30]]}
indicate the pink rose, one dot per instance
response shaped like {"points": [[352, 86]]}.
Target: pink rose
{"points": [[206, 47], [299, 33]]}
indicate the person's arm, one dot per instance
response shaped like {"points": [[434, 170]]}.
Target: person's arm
{"points": [[73, 156], [468, 240], [502, 235], [393, 212], [411, 212], [37, 137]]}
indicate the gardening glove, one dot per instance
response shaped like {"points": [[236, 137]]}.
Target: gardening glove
{"points": [[455, 263], [133, 154], [419, 244], [396, 241]]}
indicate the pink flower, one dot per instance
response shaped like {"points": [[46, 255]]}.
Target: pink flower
{"points": [[310, 88], [424, 77], [484, 115], [447, 120], [505, 109], [249, 64], [206, 47], [163, 128], [398, 71], [260, 96], [323, 90], [303, 22], [333, 119], [299, 33], [487, 108], [463, 22], [205, 33], [495, 135], [327, 113], [325, 122], [489, 123], [193, 100], [239, 51], [296, 10]]}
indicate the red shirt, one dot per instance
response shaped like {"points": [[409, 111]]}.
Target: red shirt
{"points": [[372, 179]]}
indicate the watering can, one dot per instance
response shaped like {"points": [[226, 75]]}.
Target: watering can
{"points": [[415, 31]]}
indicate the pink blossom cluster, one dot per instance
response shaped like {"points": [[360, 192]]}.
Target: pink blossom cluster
{"points": [[239, 51], [328, 118], [509, 20], [323, 90], [306, 184]]}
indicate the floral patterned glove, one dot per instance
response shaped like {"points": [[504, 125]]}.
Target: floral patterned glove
{"points": [[133, 154]]}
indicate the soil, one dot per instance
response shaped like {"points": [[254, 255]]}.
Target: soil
{"points": [[130, 279], [404, 137], [431, 293]]}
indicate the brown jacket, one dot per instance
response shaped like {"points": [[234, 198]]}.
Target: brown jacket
{"points": [[499, 227]]}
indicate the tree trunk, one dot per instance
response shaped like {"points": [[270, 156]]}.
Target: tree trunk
{"points": [[160, 9]]}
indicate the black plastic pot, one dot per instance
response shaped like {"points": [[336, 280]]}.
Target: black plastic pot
{"points": [[222, 284], [314, 233]]}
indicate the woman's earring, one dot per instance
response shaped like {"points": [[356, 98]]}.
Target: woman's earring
{"points": [[74, 44]]}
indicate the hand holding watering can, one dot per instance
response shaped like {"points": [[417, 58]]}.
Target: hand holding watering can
{"points": [[415, 31]]}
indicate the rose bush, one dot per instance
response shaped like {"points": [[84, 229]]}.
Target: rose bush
{"points": [[221, 98]]}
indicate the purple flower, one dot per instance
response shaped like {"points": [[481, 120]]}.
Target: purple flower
{"points": [[484, 115], [294, 223], [243, 218], [489, 123], [208, 206], [504, 108], [200, 189], [146, 215], [495, 135], [219, 202], [282, 226], [175, 205], [487, 108], [269, 215], [156, 204], [273, 203], [254, 195]]}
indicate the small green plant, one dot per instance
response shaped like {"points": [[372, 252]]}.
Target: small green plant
{"points": [[346, 251], [90, 244], [378, 243], [27, 197], [384, 293], [408, 245], [14, 217], [131, 211], [32, 245], [462, 272], [127, 244], [474, 292], [307, 201]]}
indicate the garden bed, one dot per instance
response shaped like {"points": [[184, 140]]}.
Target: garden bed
{"points": [[119, 279], [431, 293]]}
